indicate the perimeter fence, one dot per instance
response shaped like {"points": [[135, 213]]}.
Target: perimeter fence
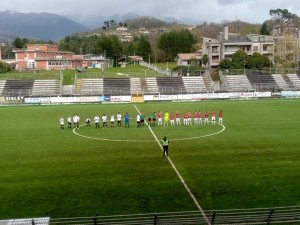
{"points": [[279, 216]]}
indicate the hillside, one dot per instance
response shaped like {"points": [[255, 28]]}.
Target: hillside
{"points": [[38, 26]]}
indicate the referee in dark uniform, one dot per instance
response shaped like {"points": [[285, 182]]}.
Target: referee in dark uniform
{"points": [[165, 144]]}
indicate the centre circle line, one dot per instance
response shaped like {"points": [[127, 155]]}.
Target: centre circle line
{"points": [[145, 141]]}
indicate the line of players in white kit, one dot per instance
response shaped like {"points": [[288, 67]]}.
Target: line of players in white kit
{"points": [[165, 119], [75, 121]]}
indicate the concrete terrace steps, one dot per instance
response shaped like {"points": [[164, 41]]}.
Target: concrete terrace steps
{"points": [[170, 85], [46, 87], [116, 86], [2, 85], [280, 81], [194, 84], [18, 87], [262, 82], [135, 85], [89, 86], [295, 79], [238, 83], [151, 86]]}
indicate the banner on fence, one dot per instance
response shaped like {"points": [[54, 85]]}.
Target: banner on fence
{"points": [[32, 100], [290, 94], [36, 221], [148, 97], [246, 95], [104, 98], [164, 97], [184, 97], [118, 98], [262, 94]]}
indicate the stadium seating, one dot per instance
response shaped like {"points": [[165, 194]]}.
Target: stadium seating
{"points": [[280, 81], [194, 84], [238, 83], [17, 88], [2, 85], [295, 80], [170, 85], [116, 86], [46, 88], [150, 86], [135, 85], [262, 82], [89, 86]]}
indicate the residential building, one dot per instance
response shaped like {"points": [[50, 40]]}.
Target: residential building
{"points": [[122, 28], [263, 44], [228, 43], [95, 61], [43, 56], [186, 59]]}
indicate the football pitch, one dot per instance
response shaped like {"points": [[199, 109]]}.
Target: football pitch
{"points": [[251, 161]]}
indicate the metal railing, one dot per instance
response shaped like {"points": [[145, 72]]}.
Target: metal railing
{"points": [[266, 71], [267, 216]]}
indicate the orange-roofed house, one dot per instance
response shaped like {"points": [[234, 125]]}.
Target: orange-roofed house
{"points": [[44, 57]]}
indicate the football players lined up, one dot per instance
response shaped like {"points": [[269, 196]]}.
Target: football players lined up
{"points": [[76, 121], [169, 119], [88, 122], [62, 123]]}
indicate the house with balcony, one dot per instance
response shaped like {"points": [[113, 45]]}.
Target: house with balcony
{"points": [[227, 44], [263, 44], [43, 57]]}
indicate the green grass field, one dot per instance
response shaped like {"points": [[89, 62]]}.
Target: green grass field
{"points": [[46, 171], [70, 74]]}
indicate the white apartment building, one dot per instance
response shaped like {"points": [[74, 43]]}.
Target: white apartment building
{"points": [[228, 43]]}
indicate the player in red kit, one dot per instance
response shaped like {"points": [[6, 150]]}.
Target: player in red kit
{"points": [[177, 115], [172, 119], [213, 117], [185, 119], [200, 117], [189, 120], [220, 117], [159, 118], [206, 115], [196, 119]]}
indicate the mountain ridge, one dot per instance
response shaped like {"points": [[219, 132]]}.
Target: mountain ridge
{"points": [[39, 26]]}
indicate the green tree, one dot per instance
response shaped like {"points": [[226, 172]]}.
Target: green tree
{"points": [[205, 60], [106, 23], [130, 48], [112, 47], [143, 48], [258, 61], [282, 17], [5, 67], [225, 64], [112, 22], [175, 42], [264, 30], [20, 43], [239, 59]]}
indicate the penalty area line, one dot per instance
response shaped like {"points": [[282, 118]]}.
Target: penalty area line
{"points": [[178, 174]]}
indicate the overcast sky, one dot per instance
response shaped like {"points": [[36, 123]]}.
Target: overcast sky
{"points": [[254, 11]]}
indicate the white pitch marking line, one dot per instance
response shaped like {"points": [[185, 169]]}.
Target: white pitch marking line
{"points": [[178, 174]]}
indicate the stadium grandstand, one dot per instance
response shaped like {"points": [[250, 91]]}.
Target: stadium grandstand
{"points": [[230, 81]]}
